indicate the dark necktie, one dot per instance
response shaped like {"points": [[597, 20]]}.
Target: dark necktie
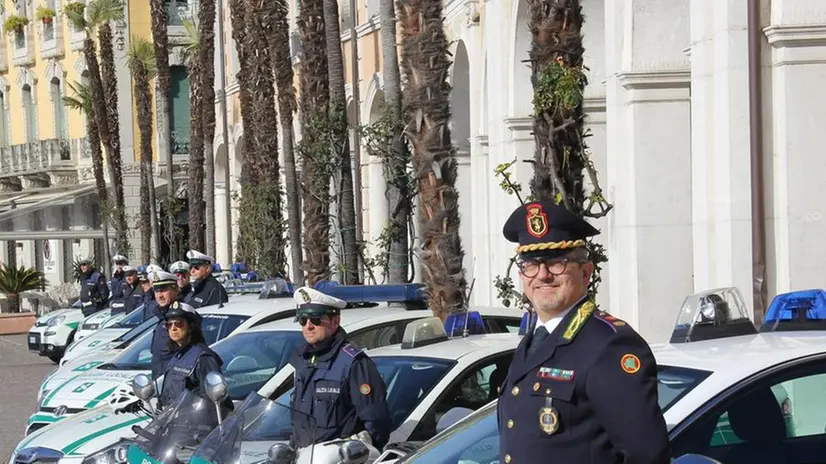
{"points": [[538, 337]]}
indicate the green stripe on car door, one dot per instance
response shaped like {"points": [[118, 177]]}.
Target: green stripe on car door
{"points": [[99, 398], [72, 325], [71, 447]]}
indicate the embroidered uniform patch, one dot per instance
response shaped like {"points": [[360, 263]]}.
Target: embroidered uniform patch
{"points": [[630, 363], [553, 373], [365, 389]]}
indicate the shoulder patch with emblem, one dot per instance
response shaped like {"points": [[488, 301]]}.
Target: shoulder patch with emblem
{"points": [[630, 363], [365, 389], [351, 349]]}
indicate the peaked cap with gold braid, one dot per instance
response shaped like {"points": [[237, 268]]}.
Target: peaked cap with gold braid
{"points": [[543, 229]]}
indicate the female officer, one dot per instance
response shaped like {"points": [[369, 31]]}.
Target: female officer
{"points": [[193, 359]]}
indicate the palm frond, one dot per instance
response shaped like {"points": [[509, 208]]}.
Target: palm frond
{"points": [[75, 15], [191, 41], [142, 51], [15, 280], [103, 11], [82, 99]]}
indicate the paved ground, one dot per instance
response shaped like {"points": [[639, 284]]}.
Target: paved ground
{"points": [[20, 376]]}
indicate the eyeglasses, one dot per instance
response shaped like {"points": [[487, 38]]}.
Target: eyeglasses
{"points": [[315, 320], [530, 267], [178, 324]]}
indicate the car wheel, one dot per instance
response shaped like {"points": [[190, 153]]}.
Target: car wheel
{"points": [[55, 358]]}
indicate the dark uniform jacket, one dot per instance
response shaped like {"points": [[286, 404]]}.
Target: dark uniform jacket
{"points": [[118, 281], [206, 292], [338, 385], [132, 297], [185, 291], [187, 370], [587, 395], [94, 293], [161, 347]]}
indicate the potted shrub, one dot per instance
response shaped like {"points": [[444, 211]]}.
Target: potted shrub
{"points": [[15, 23], [74, 8], [16, 280], [45, 14]]}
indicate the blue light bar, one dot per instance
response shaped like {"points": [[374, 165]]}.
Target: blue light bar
{"points": [[800, 310], [455, 324], [400, 293], [527, 318]]}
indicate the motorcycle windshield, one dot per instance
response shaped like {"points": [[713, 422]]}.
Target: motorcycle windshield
{"points": [[255, 426], [173, 436]]}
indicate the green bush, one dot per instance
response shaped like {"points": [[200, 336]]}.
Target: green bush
{"points": [[16, 280]]}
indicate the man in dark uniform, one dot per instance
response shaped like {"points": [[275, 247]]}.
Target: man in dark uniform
{"points": [[336, 383], [130, 295], [181, 270], [147, 296], [94, 293], [165, 287], [117, 276], [582, 386], [206, 290]]}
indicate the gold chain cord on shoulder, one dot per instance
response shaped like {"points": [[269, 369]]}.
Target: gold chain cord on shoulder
{"points": [[565, 244]]}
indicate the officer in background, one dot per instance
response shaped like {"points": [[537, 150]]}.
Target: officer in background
{"points": [[192, 359], [94, 293], [181, 270], [206, 290], [130, 295], [335, 381], [165, 288], [582, 386], [118, 276]]}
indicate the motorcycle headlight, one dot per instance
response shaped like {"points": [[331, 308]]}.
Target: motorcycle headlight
{"points": [[55, 321], [114, 454]]}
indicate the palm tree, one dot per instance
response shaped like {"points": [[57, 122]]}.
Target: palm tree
{"points": [[314, 150], [101, 13], [206, 55], [278, 36], [82, 101], [16, 280], [160, 40], [398, 156], [142, 64], [192, 47], [78, 20], [427, 114], [340, 139]]}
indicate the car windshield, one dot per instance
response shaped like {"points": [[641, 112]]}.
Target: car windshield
{"points": [[252, 358], [217, 326], [131, 320], [408, 380], [136, 332], [476, 438]]}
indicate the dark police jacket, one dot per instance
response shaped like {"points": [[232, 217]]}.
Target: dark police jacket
{"points": [[187, 370], [94, 293], [132, 297], [340, 387], [587, 395], [161, 347], [118, 281], [206, 292]]}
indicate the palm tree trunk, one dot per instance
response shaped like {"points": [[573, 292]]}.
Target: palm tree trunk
{"points": [[314, 149], [160, 40], [93, 139], [206, 22], [109, 80], [196, 157], [144, 107], [395, 165], [145, 215], [278, 37], [427, 114], [341, 142]]}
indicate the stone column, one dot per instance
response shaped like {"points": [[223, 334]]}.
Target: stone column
{"points": [[81, 218], [648, 162], [797, 36], [221, 218]]}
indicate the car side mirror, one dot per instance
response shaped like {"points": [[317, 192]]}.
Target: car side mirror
{"points": [[694, 459], [143, 387], [452, 416], [280, 453], [354, 452]]}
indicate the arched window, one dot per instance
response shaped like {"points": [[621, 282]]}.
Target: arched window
{"points": [[4, 130], [61, 128], [179, 117], [29, 112]]}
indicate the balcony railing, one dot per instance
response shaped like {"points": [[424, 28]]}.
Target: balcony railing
{"points": [[35, 157], [177, 11]]}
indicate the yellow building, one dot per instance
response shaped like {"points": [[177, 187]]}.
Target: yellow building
{"points": [[48, 204]]}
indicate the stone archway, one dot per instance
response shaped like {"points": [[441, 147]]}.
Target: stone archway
{"points": [[460, 99]]}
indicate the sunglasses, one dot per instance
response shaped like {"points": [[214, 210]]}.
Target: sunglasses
{"points": [[315, 320], [178, 324]]}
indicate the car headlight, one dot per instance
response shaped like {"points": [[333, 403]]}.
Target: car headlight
{"points": [[40, 397], [114, 454], [55, 321]]}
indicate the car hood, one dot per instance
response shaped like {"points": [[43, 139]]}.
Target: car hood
{"points": [[98, 317], [85, 433], [47, 316], [98, 341], [86, 388]]}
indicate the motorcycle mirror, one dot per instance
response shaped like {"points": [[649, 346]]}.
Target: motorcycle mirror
{"points": [[143, 387], [280, 453], [354, 452], [695, 459], [216, 387]]}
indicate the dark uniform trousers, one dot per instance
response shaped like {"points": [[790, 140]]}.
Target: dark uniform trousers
{"points": [[342, 391], [206, 292], [586, 395], [94, 293], [186, 370]]}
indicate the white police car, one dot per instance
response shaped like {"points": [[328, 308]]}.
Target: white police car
{"points": [[250, 357], [727, 391], [53, 332], [95, 322]]}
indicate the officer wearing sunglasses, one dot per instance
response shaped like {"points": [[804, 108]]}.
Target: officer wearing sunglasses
{"points": [[336, 383], [166, 293]]}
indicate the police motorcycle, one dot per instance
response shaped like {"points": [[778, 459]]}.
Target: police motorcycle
{"points": [[260, 432]]}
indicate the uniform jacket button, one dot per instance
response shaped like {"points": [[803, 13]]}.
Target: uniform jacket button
{"points": [[510, 423], [507, 459], [515, 391]]}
